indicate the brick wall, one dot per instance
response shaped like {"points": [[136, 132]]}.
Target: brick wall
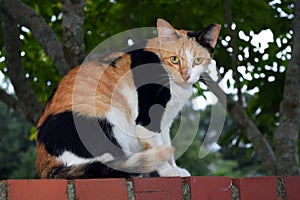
{"points": [[223, 188]]}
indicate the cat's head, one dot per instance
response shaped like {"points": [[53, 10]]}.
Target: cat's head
{"points": [[186, 54]]}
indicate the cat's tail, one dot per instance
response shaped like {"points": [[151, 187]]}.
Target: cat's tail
{"points": [[143, 162]]}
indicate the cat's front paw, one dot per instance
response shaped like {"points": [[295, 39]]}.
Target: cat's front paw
{"points": [[173, 171], [183, 172]]}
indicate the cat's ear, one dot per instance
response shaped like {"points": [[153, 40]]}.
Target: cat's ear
{"points": [[165, 32], [209, 35]]}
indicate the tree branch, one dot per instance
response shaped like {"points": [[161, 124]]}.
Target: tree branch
{"points": [[10, 101], [233, 44], [286, 134], [26, 16], [239, 115], [237, 111], [73, 31], [27, 100]]}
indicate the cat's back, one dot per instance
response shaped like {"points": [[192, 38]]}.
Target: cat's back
{"points": [[88, 89]]}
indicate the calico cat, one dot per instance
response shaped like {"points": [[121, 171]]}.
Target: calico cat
{"points": [[111, 117]]}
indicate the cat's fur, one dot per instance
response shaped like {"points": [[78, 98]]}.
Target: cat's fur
{"points": [[112, 119]]}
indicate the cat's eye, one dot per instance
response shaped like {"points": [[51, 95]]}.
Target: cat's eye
{"points": [[198, 61], [175, 60]]}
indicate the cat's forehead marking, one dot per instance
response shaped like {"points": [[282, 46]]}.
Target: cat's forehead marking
{"points": [[187, 48], [189, 57]]}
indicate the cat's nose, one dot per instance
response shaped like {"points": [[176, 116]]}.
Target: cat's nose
{"points": [[186, 77], [185, 74]]}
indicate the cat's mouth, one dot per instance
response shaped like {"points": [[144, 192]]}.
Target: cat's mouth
{"points": [[194, 77], [192, 80]]}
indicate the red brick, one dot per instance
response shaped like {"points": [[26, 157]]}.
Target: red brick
{"points": [[204, 187], [292, 187], [37, 189], [90, 189], [157, 188], [258, 188]]}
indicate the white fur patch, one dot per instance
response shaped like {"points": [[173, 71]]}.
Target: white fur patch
{"points": [[179, 96], [197, 70], [194, 70], [190, 58], [124, 131], [150, 137], [70, 159], [132, 99]]}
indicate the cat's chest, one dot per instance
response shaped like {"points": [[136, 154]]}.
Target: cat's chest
{"points": [[158, 104], [179, 96]]}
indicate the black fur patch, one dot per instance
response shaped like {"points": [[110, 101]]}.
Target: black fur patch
{"points": [[99, 170], [60, 132], [91, 170], [202, 41], [111, 61], [152, 82], [114, 63]]}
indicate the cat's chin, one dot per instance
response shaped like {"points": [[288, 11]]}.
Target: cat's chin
{"points": [[192, 81], [185, 84]]}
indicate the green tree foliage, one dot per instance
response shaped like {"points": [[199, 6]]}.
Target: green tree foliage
{"points": [[17, 152]]}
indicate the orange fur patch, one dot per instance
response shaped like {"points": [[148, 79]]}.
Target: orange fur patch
{"points": [[91, 89], [146, 146], [45, 162]]}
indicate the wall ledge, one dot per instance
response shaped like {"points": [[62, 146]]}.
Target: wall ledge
{"points": [[175, 188]]}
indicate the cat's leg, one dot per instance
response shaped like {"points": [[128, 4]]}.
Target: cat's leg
{"points": [[150, 139], [172, 169], [171, 111], [166, 139]]}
